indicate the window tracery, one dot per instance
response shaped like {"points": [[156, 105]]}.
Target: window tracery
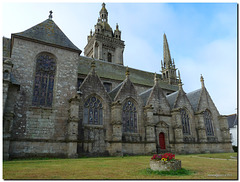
{"points": [[93, 111], [44, 80], [208, 123], [185, 122], [129, 117]]}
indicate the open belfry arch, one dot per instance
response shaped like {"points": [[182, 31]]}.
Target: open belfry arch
{"points": [[57, 103]]}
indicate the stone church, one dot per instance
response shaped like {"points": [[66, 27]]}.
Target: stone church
{"points": [[59, 103]]}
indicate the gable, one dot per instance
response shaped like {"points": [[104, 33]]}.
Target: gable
{"points": [[182, 101], [92, 84], [158, 100], [127, 89], [206, 102]]}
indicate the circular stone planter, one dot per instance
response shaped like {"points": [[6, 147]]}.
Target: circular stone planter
{"points": [[165, 165]]}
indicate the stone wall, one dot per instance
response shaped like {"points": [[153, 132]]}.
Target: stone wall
{"points": [[38, 122]]}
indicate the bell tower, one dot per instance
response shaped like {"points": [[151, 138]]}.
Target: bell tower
{"points": [[168, 65], [103, 43]]}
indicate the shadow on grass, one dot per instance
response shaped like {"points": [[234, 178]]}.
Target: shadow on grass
{"points": [[180, 172]]}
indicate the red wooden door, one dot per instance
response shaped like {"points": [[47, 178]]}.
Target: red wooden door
{"points": [[162, 141]]}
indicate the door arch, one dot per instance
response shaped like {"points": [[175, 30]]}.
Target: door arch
{"points": [[162, 141]]}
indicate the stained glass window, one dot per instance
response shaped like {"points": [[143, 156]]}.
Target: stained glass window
{"points": [[44, 81], [208, 123], [185, 122], [129, 117], [92, 112]]}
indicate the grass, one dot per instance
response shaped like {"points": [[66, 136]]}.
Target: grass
{"points": [[197, 166], [179, 172]]}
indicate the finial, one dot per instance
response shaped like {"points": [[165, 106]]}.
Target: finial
{"points": [[161, 63], [127, 72], [116, 26], [50, 16], [173, 61], [103, 5], [91, 32], [93, 64], [179, 81], [202, 80]]}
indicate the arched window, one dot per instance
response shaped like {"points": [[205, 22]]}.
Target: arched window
{"points": [[93, 111], [208, 123], [109, 57], [44, 80], [129, 117], [185, 122]]}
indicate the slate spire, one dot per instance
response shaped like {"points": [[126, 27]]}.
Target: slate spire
{"points": [[166, 52], [168, 65]]}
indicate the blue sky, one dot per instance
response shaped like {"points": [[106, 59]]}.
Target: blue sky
{"points": [[202, 37]]}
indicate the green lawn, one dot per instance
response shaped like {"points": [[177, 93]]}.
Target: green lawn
{"points": [[120, 168]]}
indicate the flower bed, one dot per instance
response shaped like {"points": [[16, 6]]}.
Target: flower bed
{"points": [[165, 162]]}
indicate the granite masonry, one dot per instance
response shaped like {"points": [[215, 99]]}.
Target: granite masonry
{"points": [[57, 103]]}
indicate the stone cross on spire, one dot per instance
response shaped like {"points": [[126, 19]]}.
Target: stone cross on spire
{"points": [[50, 16]]}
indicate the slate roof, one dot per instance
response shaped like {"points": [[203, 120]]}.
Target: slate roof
{"points": [[232, 120], [145, 95], [114, 92], [48, 32], [194, 97], [172, 98], [6, 47], [113, 71]]}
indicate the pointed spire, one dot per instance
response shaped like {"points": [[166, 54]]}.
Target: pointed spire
{"points": [[166, 51], [127, 72], [117, 26], [50, 15], [202, 81]]}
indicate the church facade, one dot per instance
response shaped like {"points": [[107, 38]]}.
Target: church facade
{"points": [[57, 103]]}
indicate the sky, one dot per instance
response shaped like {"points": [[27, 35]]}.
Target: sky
{"points": [[202, 37]]}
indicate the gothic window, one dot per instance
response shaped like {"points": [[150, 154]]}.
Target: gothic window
{"points": [[93, 111], [109, 57], [129, 117], [44, 81], [208, 123], [185, 122]]}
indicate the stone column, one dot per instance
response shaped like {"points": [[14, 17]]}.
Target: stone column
{"points": [[7, 69], [201, 129], [150, 146], [177, 129], [224, 129], [177, 126], [150, 133], [73, 126], [116, 121]]}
